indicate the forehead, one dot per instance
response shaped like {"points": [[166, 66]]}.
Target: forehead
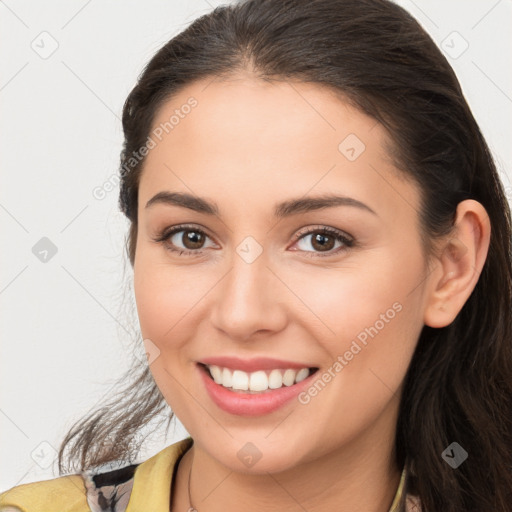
{"points": [[244, 112], [256, 139]]}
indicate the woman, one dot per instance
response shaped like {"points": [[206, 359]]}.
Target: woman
{"points": [[322, 254]]}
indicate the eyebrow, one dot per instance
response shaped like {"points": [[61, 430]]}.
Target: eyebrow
{"points": [[281, 210]]}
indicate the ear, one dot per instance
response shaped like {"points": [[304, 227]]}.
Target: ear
{"points": [[458, 268]]}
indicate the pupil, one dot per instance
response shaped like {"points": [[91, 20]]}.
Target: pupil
{"points": [[195, 238], [320, 238]]}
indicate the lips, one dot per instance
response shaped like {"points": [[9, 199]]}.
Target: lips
{"points": [[253, 387]]}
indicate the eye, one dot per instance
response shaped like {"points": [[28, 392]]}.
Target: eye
{"points": [[192, 238], [323, 239]]}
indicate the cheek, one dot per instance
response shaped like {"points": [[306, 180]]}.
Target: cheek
{"points": [[368, 359], [164, 306], [164, 295], [368, 319], [359, 297]]}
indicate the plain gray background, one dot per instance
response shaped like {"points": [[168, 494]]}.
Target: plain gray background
{"points": [[67, 67]]}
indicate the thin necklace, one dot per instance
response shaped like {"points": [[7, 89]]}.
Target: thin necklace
{"points": [[192, 508]]}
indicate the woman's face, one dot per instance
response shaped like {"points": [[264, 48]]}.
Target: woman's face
{"points": [[260, 279]]}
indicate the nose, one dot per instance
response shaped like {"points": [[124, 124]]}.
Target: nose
{"points": [[249, 300]]}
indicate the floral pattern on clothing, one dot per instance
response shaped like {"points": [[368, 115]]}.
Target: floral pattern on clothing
{"points": [[109, 491]]}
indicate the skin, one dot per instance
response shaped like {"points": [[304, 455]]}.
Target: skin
{"points": [[248, 145]]}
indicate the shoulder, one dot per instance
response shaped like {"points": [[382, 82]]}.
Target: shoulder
{"points": [[88, 491], [106, 487], [66, 493]]}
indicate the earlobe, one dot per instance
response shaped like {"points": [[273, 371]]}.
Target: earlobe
{"points": [[458, 267]]}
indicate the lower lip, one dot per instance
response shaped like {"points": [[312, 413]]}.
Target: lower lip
{"points": [[246, 404]]}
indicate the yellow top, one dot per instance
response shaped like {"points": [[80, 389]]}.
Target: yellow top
{"points": [[151, 489]]}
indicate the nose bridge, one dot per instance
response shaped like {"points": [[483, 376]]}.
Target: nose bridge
{"points": [[246, 300], [249, 270], [247, 280]]}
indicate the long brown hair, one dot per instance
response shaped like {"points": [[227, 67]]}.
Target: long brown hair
{"points": [[459, 383]]}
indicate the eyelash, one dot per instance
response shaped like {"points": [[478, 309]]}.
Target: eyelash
{"points": [[339, 236]]}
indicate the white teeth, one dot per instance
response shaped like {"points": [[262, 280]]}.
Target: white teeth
{"points": [[240, 380], [227, 378], [275, 379], [216, 374], [260, 380], [289, 377], [302, 374]]}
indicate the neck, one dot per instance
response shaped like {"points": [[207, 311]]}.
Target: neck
{"points": [[359, 475], [361, 478]]}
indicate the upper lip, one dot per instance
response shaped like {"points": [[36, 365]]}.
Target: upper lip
{"points": [[254, 364]]}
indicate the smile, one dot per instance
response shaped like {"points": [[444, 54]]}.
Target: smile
{"points": [[258, 389], [258, 381]]}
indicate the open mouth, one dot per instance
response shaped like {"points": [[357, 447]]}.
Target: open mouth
{"points": [[257, 382]]}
